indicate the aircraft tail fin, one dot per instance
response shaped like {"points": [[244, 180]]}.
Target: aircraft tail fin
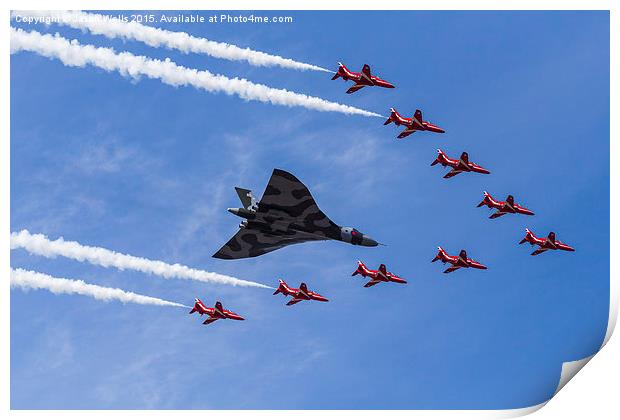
{"points": [[393, 117], [440, 254], [341, 72], [282, 288], [485, 200], [440, 157], [246, 197], [195, 308], [527, 238], [360, 269]]}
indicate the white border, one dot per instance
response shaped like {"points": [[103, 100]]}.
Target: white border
{"points": [[594, 393]]}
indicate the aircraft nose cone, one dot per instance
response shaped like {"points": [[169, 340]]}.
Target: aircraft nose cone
{"points": [[368, 241]]}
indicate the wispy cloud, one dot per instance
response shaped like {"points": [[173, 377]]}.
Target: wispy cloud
{"points": [[72, 54], [41, 245], [31, 280], [112, 27]]}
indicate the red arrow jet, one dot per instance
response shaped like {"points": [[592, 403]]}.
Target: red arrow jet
{"points": [[503, 207], [298, 295], [545, 244], [218, 312], [377, 276], [457, 261], [413, 124], [361, 79], [458, 166]]}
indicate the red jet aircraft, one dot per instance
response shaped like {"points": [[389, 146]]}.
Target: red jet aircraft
{"points": [[545, 244], [413, 124], [503, 207], [364, 78], [458, 166], [457, 261], [214, 313], [298, 295], [377, 276]]}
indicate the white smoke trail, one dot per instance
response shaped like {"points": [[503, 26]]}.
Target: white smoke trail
{"points": [[26, 280], [40, 245], [112, 27], [71, 53]]}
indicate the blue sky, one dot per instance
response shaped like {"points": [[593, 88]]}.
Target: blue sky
{"points": [[147, 169]]}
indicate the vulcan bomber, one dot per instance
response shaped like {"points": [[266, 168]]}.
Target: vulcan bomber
{"points": [[285, 215]]}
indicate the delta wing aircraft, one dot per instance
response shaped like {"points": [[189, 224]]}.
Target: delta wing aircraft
{"points": [[285, 215]]}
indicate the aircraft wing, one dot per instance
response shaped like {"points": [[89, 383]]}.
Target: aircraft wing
{"points": [[452, 173], [292, 302], [366, 73], [406, 132], [451, 269], [354, 88], [287, 200], [293, 215], [249, 243], [497, 214], [372, 283]]}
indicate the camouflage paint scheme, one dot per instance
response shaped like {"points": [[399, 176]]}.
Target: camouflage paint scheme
{"points": [[285, 215]]}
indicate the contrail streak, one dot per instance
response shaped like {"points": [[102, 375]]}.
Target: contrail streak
{"points": [[27, 280], [40, 245], [72, 54], [112, 27]]}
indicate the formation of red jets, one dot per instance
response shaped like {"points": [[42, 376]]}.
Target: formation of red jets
{"points": [[463, 164]]}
